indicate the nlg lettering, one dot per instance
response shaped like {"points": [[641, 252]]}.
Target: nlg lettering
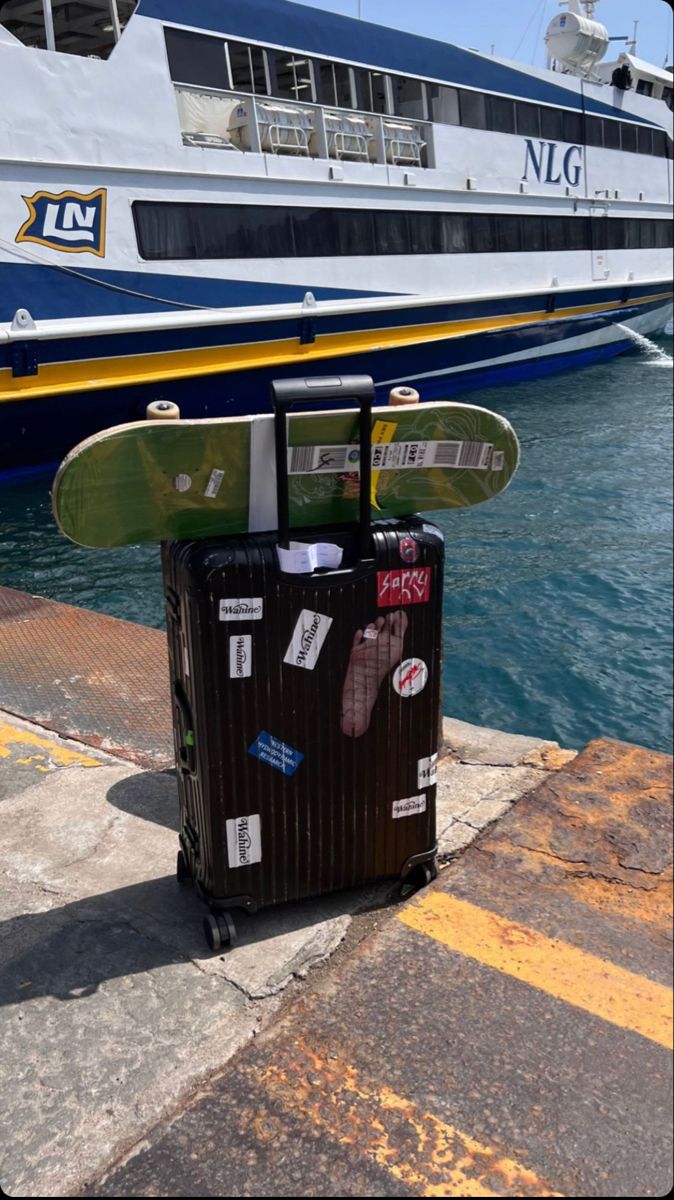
{"points": [[542, 161]]}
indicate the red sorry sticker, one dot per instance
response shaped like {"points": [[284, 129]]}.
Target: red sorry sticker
{"points": [[402, 586]]}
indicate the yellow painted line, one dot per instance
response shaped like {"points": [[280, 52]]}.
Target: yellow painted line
{"points": [[62, 378], [563, 971], [426, 1154], [46, 752]]}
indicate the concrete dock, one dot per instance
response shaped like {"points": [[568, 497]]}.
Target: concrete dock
{"points": [[505, 1032]]}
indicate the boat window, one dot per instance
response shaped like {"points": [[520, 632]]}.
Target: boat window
{"points": [[552, 125], [473, 109], [528, 119], [89, 29], [354, 230], [575, 234], [612, 135], [424, 230], [456, 233], [628, 136], [500, 114], [371, 90], [594, 131], [290, 76], [248, 69], [645, 87], [485, 239], [391, 230], [334, 85], [645, 139], [409, 97], [234, 231], [667, 96], [194, 58], [444, 102], [509, 231], [572, 126]]}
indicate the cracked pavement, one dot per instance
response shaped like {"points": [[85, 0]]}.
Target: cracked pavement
{"points": [[115, 1012]]}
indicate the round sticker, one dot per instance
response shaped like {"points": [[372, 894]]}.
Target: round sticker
{"points": [[182, 483], [409, 551], [410, 677]]}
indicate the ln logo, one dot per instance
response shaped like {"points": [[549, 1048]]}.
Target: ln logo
{"points": [[67, 221]]}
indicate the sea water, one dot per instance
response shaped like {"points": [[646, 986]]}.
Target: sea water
{"points": [[558, 593]]}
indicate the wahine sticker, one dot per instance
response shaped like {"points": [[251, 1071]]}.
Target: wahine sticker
{"points": [[306, 643], [427, 771], [405, 808], [240, 656], [410, 677], [244, 842], [248, 608], [403, 586], [276, 753]]}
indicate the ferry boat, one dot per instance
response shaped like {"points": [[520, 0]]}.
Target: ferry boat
{"points": [[196, 198]]}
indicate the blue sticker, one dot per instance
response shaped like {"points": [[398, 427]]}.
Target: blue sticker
{"points": [[275, 752]]}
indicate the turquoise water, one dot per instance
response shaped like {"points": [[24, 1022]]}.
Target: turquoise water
{"points": [[558, 594]]}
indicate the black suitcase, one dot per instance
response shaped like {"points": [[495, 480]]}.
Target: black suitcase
{"points": [[306, 706]]}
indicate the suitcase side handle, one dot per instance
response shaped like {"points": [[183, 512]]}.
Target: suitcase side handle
{"points": [[332, 389]]}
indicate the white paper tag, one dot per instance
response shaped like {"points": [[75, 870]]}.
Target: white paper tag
{"points": [[427, 771], [390, 456], [244, 844], [306, 643], [405, 808], [214, 483], [240, 656], [248, 608], [302, 559]]}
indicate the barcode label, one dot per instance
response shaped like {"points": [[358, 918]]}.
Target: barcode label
{"points": [[391, 456], [463, 454], [306, 460]]}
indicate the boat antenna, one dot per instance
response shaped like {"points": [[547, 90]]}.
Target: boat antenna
{"points": [[632, 46]]}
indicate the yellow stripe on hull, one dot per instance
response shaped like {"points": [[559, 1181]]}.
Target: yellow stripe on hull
{"points": [[56, 379]]}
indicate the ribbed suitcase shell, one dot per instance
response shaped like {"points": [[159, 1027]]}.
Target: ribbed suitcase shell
{"points": [[329, 824]]}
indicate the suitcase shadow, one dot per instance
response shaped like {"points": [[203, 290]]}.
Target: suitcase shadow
{"points": [[151, 795]]}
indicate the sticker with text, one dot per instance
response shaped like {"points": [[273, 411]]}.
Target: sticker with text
{"points": [[244, 844], [402, 586], [214, 483], [240, 656], [276, 753], [306, 643], [410, 677], [427, 771], [391, 456], [406, 808], [248, 608]]}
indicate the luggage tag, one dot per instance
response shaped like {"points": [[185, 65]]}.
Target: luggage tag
{"points": [[302, 558]]}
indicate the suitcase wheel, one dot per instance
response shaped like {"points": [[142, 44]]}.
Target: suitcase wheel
{"points": [[182, 869], [420, 877], [219, 930]]}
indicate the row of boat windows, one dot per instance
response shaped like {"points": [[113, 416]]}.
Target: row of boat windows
{"points": [[179, 231], [200, 60]]}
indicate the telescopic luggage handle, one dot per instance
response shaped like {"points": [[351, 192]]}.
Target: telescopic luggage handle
{"points": [[287, 392]]}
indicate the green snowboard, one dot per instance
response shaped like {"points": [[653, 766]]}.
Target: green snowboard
{"points": [[156, 480]]}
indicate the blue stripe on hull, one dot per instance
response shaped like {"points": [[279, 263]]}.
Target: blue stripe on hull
{"points": [[44, 429], [70, 349]]}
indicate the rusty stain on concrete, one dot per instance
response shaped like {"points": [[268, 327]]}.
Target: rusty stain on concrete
{"points": [[89, 677]]}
